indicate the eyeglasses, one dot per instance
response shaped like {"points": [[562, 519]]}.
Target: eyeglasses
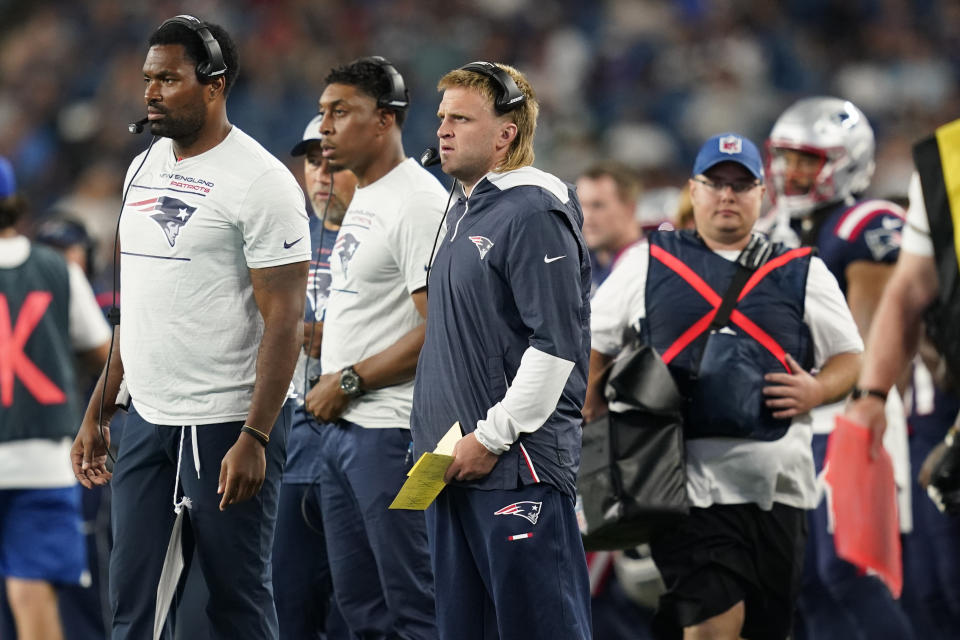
{"points": [[738, 186]]}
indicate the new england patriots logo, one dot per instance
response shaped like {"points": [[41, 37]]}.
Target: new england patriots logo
{"points": [[345, 248], [483, 244], [318, 290], [884, 240], [171, 214], [526, 509]]}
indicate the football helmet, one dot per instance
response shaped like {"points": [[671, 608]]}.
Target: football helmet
{"points": [[831, 132]]}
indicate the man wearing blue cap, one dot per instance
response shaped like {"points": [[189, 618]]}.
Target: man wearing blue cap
{"points": [[755, 336], [47, 315]]}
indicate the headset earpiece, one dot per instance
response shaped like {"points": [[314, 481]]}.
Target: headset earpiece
{"points": [[509, 96], [397, 97], [214, 66]]}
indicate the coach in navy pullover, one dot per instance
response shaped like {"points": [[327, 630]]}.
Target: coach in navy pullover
{"points": [[508, 293], [506, 355]]}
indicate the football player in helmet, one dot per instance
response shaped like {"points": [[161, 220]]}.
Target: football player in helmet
{"points": [[820, 162]]}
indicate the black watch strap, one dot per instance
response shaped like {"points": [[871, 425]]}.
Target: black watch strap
{"points": [[858, 393]]}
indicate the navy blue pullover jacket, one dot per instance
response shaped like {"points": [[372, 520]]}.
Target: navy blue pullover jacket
{"points": [[511, 273]]}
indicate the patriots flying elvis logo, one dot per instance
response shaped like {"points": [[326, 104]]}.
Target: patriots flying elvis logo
{"points": [[483, 244], [170, 213], [525, 509], [345, 248]]}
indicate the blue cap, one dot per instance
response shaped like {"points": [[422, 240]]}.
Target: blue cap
{"points": [[8, 186], [729, 147]]}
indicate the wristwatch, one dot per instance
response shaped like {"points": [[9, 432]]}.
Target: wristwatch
{"points": [[350, 383], [856, 394]]}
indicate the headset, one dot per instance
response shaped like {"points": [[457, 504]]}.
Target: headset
{"points": [[397, 97], [509, 96], [214, 65]]}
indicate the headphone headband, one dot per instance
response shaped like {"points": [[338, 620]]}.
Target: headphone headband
{"points": [[214, 65], [397, 97], [509, 96]]}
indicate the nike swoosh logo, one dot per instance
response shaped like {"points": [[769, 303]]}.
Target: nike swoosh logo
{"points": [[549, 260], [287, 245]]}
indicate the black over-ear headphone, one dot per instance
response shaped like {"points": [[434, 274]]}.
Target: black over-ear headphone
{"points": [[397, 97], [214, 65], [509, 96]]}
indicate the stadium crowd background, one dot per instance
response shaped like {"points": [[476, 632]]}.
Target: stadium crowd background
{"points": [[642, 81]]}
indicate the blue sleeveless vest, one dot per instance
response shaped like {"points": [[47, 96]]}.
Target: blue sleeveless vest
{"points": [[720, 372]]}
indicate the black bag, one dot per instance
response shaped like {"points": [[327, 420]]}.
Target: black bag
{"points": [[632, 477]]}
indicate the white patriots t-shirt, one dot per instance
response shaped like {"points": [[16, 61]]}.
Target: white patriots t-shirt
{"points": [[189, 233], [379, 259]]}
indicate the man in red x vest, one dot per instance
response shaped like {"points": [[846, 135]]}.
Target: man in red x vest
{"points": [[755, 336], [47, 313]]}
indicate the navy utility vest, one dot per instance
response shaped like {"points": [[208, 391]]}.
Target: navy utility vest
{"points": [[720, 372], [38, 397]]}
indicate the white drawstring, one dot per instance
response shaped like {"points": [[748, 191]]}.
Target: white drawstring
{"points": [[196, 449], [185, 501]]}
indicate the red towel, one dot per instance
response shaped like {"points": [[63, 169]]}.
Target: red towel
{"points": [[864, 504]]}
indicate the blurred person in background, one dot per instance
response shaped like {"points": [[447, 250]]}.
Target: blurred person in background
{"points": [[820, 163], [373, 330], [303, 589], [207, 364], [931, 557], [70, 237], [683, 216], [732, 568], [608, 194], [923, 294], [93, 202], [47, 315], [85, 610]]}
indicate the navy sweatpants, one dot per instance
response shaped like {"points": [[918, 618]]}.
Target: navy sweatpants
{"points": [[379, 558], [509, 565], [233, 546]]}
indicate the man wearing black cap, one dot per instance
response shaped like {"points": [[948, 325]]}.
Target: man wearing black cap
{"points": [[47, 313], [732, 567], [302, 588]]}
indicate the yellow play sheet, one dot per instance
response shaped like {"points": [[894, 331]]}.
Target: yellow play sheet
{"points": [[425, 480]]}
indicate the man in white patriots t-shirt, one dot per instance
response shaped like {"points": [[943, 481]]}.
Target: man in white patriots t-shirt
{"points": [[214, 245], [372, 334]]}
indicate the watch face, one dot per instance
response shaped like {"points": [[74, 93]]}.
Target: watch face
{"points": [[349, 382]]}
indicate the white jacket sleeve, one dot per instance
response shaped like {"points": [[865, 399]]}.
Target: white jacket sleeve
{"points": [[529, 401]]}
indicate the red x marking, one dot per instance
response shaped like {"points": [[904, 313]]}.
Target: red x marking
{"points": [[14, 362], [690, 277]]}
